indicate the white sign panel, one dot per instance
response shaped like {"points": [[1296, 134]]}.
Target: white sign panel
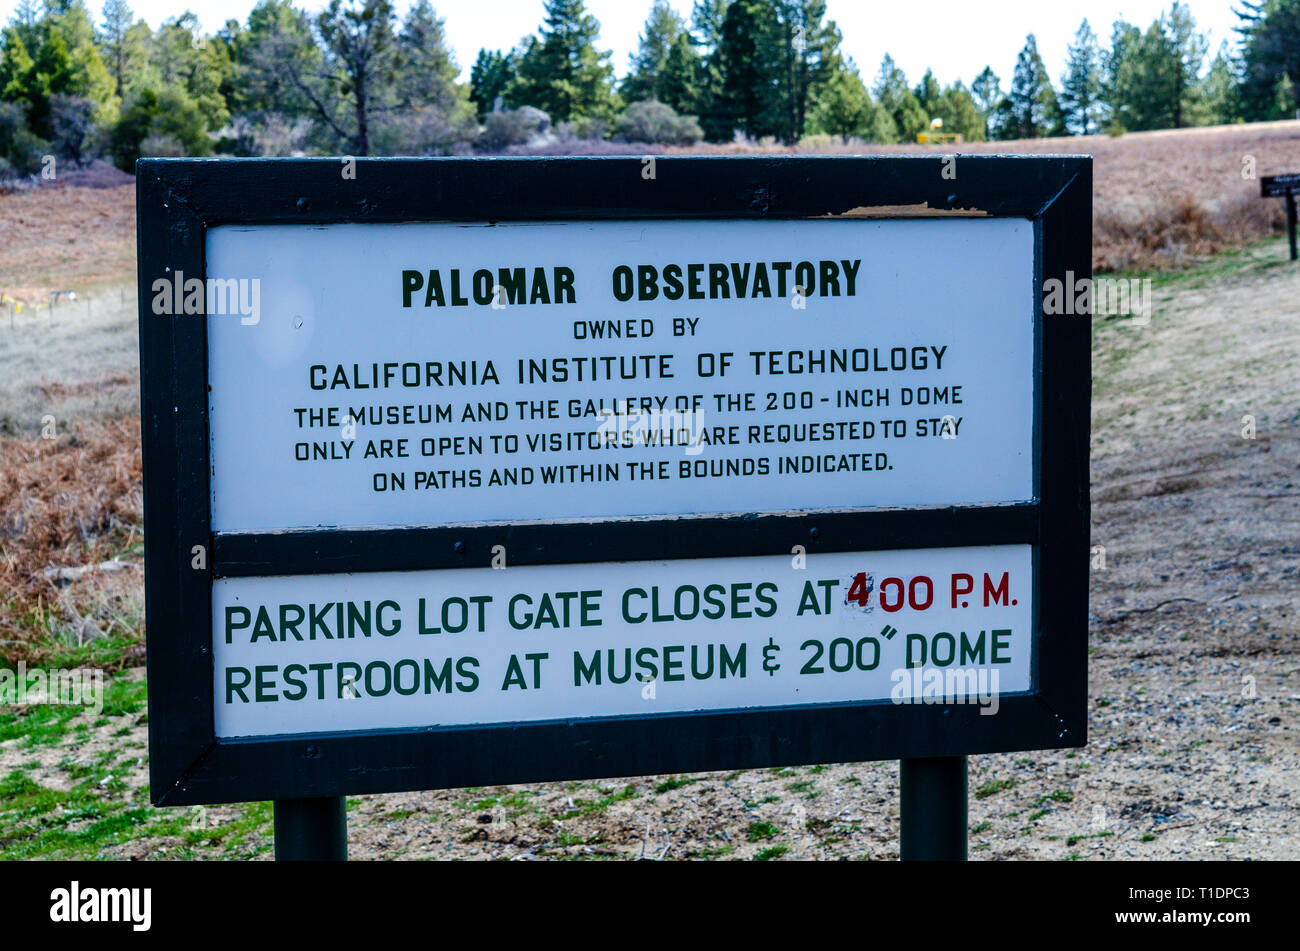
{"points": [[395, 375], [330, 653]]}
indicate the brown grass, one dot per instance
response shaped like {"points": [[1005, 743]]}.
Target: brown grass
{"points": [[65, 502], [1161, 199], [65, 238]]}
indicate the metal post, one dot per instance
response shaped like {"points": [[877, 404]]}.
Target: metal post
{"points": [[1290, 221], [932, 809], [311, 830]]}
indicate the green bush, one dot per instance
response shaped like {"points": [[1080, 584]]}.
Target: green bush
{"points": [[653, 121]]}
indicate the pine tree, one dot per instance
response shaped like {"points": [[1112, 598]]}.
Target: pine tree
{"points": [[428, 67], [1216, 100], [432, 113], [1081, 84], [987, 90], [706, 22], [681, 81], [929, 94], [843, 107], [562, 73], [957, 108], [17, 68], [281, 69], [1154, 76], [899, 102], [26, 23], [707, 18], [662, 27], [488, 79], [748, 100], [1270, 54], [121, 55], [1032, 109], [1189, 48], [361, 52], [1124, 40], [806, 47]]}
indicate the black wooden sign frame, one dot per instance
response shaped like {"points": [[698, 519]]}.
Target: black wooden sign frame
{"points": [[179, 199]]}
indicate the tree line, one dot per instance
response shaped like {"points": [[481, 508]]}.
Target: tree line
{"points": [[356, 79]]}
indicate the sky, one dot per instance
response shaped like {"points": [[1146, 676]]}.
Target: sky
{"points": [[955, 38]]}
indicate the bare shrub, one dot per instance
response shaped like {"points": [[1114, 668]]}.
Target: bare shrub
{"points": [[162, 146], [66, 502], [74, 129], [271, 134]]}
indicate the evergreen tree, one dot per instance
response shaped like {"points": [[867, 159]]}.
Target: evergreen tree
{"points": [[662, 27], [17, 68], [1270, 56], [681, 84], [362, 56], [1031, 109], [899, 102], [748, 100], [987, 90], [432, 112], [52, 65], [122, 49], [960, 114], [1155, 75], [1189, 48], [1124, 38], [428, 67], [1081, 84], [1216, 100], [281, 69], [183, 59], [26, 23], [488, 79], [844, 108], [707, 17], [805, 46], [562, 73], [929, 94]]}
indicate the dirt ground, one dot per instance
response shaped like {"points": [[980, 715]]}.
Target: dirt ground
{"points": [[1194, 661], [1194, 676]]}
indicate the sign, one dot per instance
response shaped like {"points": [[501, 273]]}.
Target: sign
{"points": [[393, 650], [630, 368], [466, 472], [1277, 186], [1284, 186]]}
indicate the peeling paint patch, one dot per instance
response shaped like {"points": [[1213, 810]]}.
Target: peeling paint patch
{"points": [[923, 210]]}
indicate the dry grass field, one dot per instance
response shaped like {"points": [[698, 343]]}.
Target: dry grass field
{"points": [[1161, 199], [1194, 670]]}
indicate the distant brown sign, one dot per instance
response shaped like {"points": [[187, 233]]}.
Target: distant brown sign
{"points": [[1277, 186]]}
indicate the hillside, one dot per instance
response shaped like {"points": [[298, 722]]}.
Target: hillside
{"points": [[1162, 200]]}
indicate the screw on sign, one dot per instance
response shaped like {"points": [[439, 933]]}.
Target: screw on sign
{"points": [[1284, 186]]}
